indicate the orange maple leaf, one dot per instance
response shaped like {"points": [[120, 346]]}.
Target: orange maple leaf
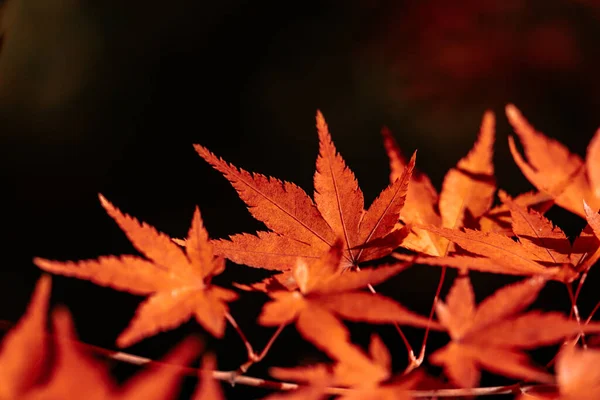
{"points": [[326, 291], [466, 197], [24, 348], [303, 228], [552, 168], [467, 191], [593, 219], [498, 219], [76, 375], [577, 376], [371, 383], [32, 369], [541, 248], [178, 283], [492, 335]]}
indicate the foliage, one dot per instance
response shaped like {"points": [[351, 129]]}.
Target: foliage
{"points": [[316, 249]]}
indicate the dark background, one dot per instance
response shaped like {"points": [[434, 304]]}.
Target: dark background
{"points": [[109, 96]]}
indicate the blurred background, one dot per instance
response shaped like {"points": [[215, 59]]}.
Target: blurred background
{"points": [[109, 96]]}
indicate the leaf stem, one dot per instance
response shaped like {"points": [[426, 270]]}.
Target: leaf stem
{"points": [[575, 312], [234, 324], [575, 309], [580, 284], [412, 360], [257, 358], [253, 358], [436, 298], [596, 308]]}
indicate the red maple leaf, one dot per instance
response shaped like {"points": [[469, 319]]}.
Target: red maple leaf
{"points": [[178, 283], [493, 334], [302, 228]]}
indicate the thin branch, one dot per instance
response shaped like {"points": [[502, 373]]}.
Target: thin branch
{"points": [[226, 376], [234, 379]]}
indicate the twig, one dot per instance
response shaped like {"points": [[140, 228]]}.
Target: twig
{"points": [[226, 376], [234, 379]]}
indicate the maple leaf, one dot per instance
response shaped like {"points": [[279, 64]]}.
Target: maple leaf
{"points": [[31, 369], [302, 228], [24, 348], [592, 218], [178, 283], [467, 191], [493, 334], [577, 375], [541, 248], [76, 375], [552, 168], [498, 219], [326, 292], [209, 389], [364, 382]]}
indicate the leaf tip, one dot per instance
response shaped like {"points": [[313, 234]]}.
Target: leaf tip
{"points": [[413, 158], [63, 323], [102, 199], [512, 112], [43, 264], [386, 132], [321, 124], [107, 205], [41, 293], [488, 121]]}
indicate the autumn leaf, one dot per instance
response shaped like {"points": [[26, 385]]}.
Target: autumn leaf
{"points": [[467, 191], [76, 375], [498, 219], [326, 292], [592, 218], [577, 376], [540, 249], [363, 382], [208, 388], [493, 334], [34, 367], [24, 348], [177, 283], [302, 228], [552, 168], [577, 373]]}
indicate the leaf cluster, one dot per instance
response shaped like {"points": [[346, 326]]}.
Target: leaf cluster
{"points": [[324, 252]]}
